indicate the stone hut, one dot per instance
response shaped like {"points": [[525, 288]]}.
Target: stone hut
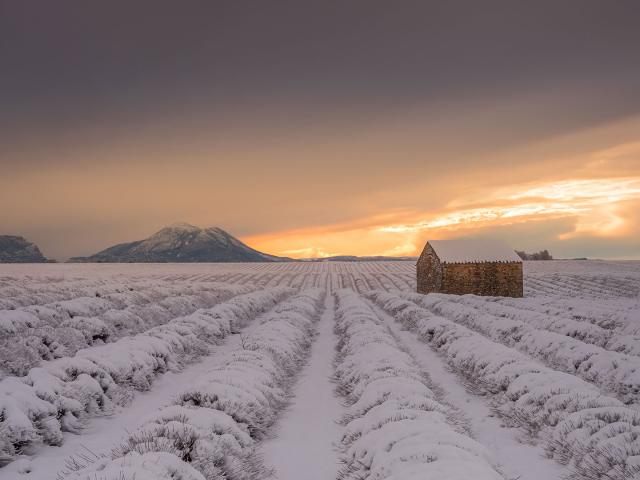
{"points": [[480, 267]]}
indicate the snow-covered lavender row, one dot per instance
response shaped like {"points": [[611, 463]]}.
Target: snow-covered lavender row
{"points": [[56, 397], [15, 321], [175, 299], [211, 430], [620, 317], [20, 293], [622, 343], [585, 331], [395, 427], [41, 291], [586, 285], [31, 335], [617, 373], [621, 313], [596, 434]]}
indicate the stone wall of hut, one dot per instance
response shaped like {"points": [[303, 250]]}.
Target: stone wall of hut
{"points": [[489, 278], [429, 271]]}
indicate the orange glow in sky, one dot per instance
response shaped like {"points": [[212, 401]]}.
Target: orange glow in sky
{"points": [[373, 192], [596, 207]]}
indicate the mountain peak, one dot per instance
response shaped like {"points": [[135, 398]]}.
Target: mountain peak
{"points": [[17, 249], [182, 242], [182, 226]]}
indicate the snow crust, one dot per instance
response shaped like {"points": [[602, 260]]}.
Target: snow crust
{"points": [[148, 466], [573, 348], [301, 444], [37, 333], [213, 426], [596, 434], [395, 427], [107, 342], [473, 251], [56, 397]]}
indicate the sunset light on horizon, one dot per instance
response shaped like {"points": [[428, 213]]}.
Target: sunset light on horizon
{"points": [[595, 208], [323, 129]]}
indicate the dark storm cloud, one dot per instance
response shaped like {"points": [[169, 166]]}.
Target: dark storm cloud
{"points": [[117, 118], [72, 64]]}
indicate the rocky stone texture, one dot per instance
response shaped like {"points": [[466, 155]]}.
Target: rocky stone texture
{"points": [[503, 279], [489, 278], [429, 270], [16, 249]]}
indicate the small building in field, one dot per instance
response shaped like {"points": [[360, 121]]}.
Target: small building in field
{"points": [[477, 266]]}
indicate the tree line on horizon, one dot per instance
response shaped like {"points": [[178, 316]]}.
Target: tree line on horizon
{"points": [[541, 255]]}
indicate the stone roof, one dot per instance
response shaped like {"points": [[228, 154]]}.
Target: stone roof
{"points": [[473, 251]]}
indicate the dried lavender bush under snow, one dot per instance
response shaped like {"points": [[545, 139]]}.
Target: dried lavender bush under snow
{"points": [[395, 427], [56, 397], [614, 372], [558, 367], [596, 434], [211, 430], [36, 333]]}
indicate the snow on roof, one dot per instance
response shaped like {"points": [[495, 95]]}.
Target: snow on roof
{"points": [[473, 251]]}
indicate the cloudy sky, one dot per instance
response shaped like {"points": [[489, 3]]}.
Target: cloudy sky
{"points": [[320, 128]]}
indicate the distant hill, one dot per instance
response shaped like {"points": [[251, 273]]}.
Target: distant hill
{"points": [[355, 258], [182, 242], [17, 249]]}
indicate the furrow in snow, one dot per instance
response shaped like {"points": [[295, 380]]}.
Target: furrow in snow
{"points": [[518, 458], [303, 443], [595, 434], [50, 400], [212, 428], [395, 427]]}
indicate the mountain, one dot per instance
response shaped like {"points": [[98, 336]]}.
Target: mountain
{"points": [[16, 249], [182, 242]]}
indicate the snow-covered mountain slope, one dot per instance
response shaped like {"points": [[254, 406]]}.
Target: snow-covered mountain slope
{"points": [[182, 242], [16, 249]]}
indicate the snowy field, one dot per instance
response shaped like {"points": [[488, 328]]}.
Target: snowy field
{"points": [[316, 371]]}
